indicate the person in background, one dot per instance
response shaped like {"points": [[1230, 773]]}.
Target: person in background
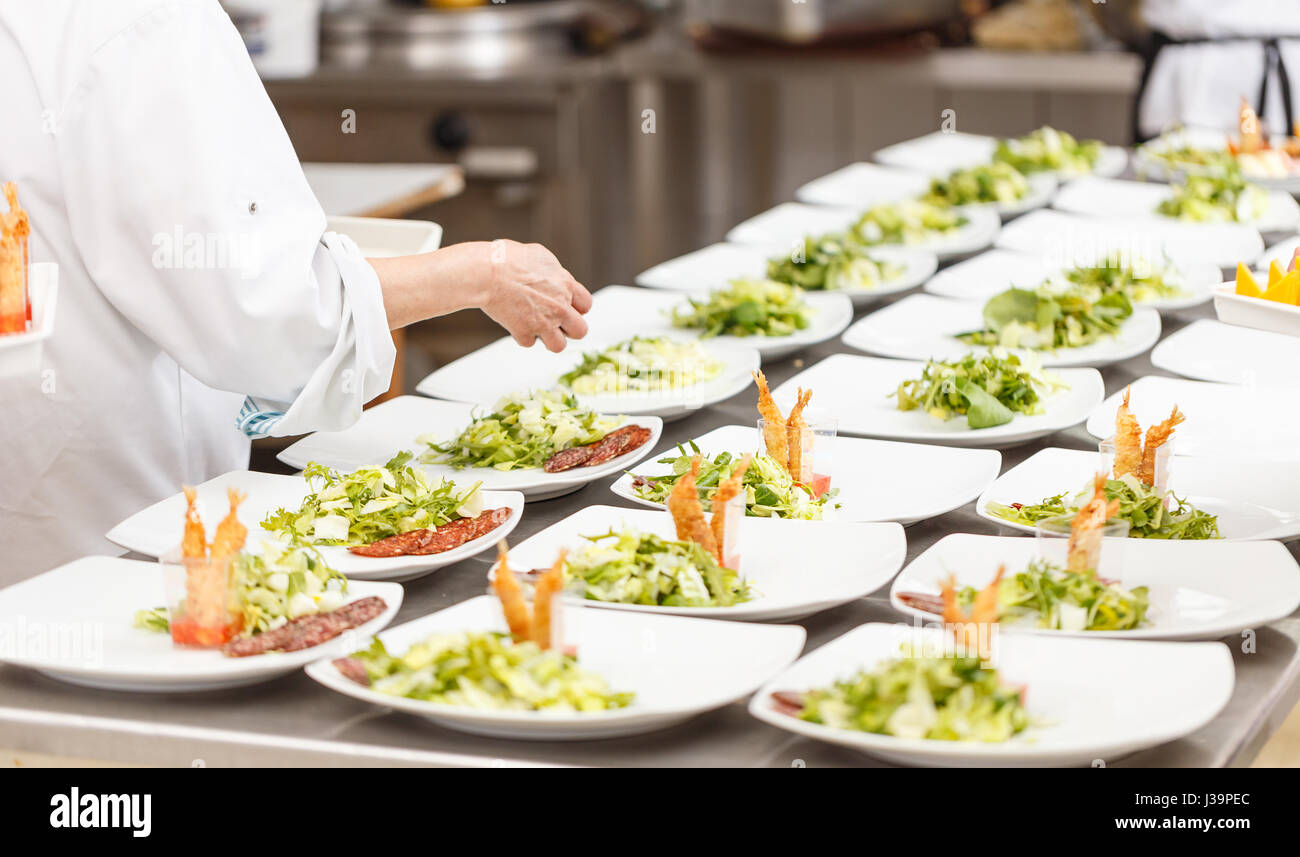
{"points": [[202, 300]]}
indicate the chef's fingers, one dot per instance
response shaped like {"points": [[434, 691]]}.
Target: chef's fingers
{"points": [[553, 339], [581, 298], [574, 326]]}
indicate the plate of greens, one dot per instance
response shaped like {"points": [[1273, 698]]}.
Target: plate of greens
{"points": [[1198, 151], [631, 559], [1195, 199], [1162, 285], [332, 511], [829, 262], [775, 318], [989, 398], [998, 185], [1065, 330], [1045, 150], [1168, 590], [459, 669], [905, 695], [859, 468], [1211, 498], [504, 446]]}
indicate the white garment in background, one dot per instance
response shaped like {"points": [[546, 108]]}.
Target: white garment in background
{"points": [[195, 269]]}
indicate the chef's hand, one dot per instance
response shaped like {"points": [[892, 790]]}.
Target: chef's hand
{"points": [[531, 295]]}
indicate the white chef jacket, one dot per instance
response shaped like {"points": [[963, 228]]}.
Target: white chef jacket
{"points": [[199, 291], [1201, 83]]}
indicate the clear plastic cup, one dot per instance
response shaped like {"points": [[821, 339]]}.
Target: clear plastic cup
{"points": [[733, 512], [203, 606], [817, 451], [1164, 462], [1105, 556]]}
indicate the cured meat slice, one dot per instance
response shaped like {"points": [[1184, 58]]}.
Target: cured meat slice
{"points": [[307, 631], [425, 542], [609, 447], [567, 459], [352, 668], [398, 545]]}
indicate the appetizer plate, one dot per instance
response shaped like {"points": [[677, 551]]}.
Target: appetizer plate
{"points": [[393, 426], [1198, 591], [861, 185], [716, 265], [994, 271], [877, 480], [20, 353], [75, 624], [1120, 198], [924, 327], [1213, 139], [796, 568], [1061, 237], [484, 376], [940, 152], [1228, 420], [648, 312], [1213, 351], [678, 668], [1257, 313], [793, 221], [863, 388], [1087, 699], [1254, 498], [157, 529]]}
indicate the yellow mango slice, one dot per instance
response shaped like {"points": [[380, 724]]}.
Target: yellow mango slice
{"points": [[1274, 274], [1246, 284], [1285, 290]]}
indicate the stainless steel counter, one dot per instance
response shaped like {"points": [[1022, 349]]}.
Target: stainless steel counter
{"points": [[294, 721]]}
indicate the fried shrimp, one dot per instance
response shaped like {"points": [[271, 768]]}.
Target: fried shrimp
{"points": [[688, 514], [774, 428], [1087, 528], [548, 587], [507, 589], [984, 611], [798, 440], [726, 491], [195, 542], [1128, 440], [1157, 436], [231, 534]]}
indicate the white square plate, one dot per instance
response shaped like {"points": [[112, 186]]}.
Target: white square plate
{"points": [[1257, 313], [648, 312], [75, 623], [484, 376], [994, 271], [862, 470], [796, 568], [716, 265], [864, 185], [1213, 351], [1198, 590], [1060, 237], [1226, 420], [860, 390], [1120, 198], [393, 426], [1253, 498], [157, 529], [1087, 699], [942, 152], [793, 221], [925, 327], [678, 667]]}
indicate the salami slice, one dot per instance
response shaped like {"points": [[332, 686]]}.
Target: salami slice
{"points": [[456, 533], [307, 631], [398, 545], [567, 459], [617, 443], [353, 669]]}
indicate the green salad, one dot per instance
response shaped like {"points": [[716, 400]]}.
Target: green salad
{"points": [[1146, 511], [747, 308], [372, 503], [488, 671], [769, 490], [1049, 149], [910, 221], [1094, 282], [632, 567], [523, 431], [1198, 160], [1215, 199], [1047, 596], [1046, 319], [642, 365], [832, 262], [995, 182], [939, 698], [988, 389]]}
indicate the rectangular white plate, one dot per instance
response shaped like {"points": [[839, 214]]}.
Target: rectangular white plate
{"points": [[648, 312], [859, 392], [74, 623], [393, 426], [796, 568], [942, 152], [1192, 598], [157, 529], [718, 264], [1089, 699], [877, 479], [1100, 197], [1257, 313], [1254, 498], [1213, 351], [924, 327], [994, 271], [678, 667], [495, 370], [1222, 419]]}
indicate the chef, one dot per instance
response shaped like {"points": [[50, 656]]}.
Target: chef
{"points": [[201, 301], [1206, 55]]}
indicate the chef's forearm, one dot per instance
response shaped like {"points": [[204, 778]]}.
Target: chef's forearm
{"points": [[431, 284]]}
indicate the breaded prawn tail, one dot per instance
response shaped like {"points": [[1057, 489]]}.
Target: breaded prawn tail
{"points": [[1157, 436], [1087, 528], [798, 440], [726, 491], [506, 586], [984, 611], [1128, 440], [195, 541], [231, 534], [548, 587], [774, 431], [688, 515]]}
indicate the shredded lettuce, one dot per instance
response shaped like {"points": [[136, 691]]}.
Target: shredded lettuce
{"points": [[1047, 596], [1048, 320], [632, 567], [642, 365], [1225, 197], [988, 389], [1049, 149], [910, 221], [995, 182], [747, 308], [832, 262]]}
